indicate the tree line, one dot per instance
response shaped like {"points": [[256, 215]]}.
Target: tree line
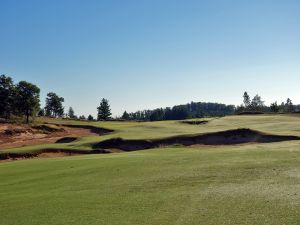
{"points": [[203, 109], [103, 112], [180, 112], [54, 108], [23, 100], [257, 105]]}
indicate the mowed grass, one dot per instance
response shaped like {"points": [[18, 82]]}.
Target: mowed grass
{"points": [[257, 184], [224, 185]]}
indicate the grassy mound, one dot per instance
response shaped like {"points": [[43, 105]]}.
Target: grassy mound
{"points": [[230, 137]]}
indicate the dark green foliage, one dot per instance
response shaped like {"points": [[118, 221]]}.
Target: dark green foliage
{"points": [[7, 90], [54, 107], [90, 118], [179, 112], [157, 114], [41, 112], [27, 99], [104, 111], [71, 113], [82, 117], [274, 107], [247, 101], [22, 99], [289, 106], [125, 116], [257, 104]]}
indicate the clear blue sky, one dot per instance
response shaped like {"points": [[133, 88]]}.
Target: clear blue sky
{"points": [[151, 53]]}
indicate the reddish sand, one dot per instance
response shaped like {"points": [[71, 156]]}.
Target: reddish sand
{"points": [[12, 135]]}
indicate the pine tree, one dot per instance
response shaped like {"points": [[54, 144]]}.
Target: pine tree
{"points": [[82, 117], [247, 101], [7, 94], [27, 99], [104, 111], [257, 104], [289, 105], [54, 107], [274, 107], [90, 118], [125, 116], [71, 113], [41, 112]]}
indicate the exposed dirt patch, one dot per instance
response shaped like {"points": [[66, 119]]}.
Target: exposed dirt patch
{"points": [[13, 135], [230, 137], [55, 154], [49, 128]]}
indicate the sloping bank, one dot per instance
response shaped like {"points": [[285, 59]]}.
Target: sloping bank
{"points": [[229, 137]]}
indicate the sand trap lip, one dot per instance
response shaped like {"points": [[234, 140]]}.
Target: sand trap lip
{"points": [[229, 137], [66, 140], [195, 122], [49, 129], [13, 135], [96, 130], [56, 153]]}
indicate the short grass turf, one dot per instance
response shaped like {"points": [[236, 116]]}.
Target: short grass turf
{"points": [[245, 185]]}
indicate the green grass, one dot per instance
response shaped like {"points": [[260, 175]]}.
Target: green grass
{"points": [[273, 124], [225, 185], [256, 184]]}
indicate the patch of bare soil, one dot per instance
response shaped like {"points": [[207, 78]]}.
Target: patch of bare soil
{"points": [[14, 135], [230, 137]]}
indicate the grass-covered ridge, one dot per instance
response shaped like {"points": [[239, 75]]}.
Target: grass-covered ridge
{"points": [[271, 124]]}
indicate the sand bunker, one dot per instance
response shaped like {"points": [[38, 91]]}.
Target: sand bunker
{"points": [[230, 137], [13, 135]]}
